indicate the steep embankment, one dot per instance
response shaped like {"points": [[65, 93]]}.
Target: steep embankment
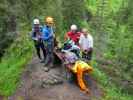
{"points": [[13, 63]]}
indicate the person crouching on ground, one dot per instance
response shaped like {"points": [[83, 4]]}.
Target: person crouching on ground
{"points": [[48, 37], [86, 44], [36, 36]]}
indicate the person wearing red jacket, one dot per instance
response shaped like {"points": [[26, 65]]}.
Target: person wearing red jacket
{"points": [[73, 34]]}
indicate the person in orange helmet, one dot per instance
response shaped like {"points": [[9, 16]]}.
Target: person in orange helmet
{"points": [[48, 37]]}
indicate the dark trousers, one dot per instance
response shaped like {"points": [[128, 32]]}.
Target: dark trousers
{"points": [[87, 55], [49, 51], [40, 46]]}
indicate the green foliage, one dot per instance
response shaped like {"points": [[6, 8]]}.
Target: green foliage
{"points": [[7, 24], [111, 92], [113, 32], [73, 12], [12, 14], [13, 63], [111, 24]]}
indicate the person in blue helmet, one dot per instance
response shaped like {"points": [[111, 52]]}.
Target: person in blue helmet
{"points": [[48, 37], [38, 42]]}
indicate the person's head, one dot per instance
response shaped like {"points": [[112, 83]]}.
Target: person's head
{"points": [[73, 28], [49, 21], [36, 21], [36, 24], [85, 31]]}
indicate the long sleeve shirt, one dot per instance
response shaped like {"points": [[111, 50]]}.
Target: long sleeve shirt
{"points": [[74, 36], [86, 42], [36, 32]]}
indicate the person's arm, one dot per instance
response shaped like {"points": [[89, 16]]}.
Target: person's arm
{"points": [[44, 34], [80, 42], [90, 44], [34, 36]]}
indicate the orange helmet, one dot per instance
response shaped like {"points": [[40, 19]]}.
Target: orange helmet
{"points": [[49, 20]]}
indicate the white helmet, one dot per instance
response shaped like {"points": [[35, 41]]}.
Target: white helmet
{"points": [[36, 21], [74, 27]]}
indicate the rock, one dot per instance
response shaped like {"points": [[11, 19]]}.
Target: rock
{"points": [[51, 80], [60, 82], [48, 82], [55, 81], [46, 69], [58, 77], [44, 85]]}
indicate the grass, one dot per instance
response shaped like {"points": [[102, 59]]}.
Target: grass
{"points": [[13, 63], [111, 91]]}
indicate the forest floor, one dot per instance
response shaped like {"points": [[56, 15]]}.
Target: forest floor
{"points": [[33, 87]]}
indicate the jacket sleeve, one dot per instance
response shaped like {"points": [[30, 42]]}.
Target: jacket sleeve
{"points": [[33, 35], [80, 40]]}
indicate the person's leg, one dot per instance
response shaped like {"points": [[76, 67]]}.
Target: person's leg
{"points": [[49, 57], [38, 50], [89, 55], [84, 56], [47, 53], [78, 53], [51, 53], [81, 83], [43, 50]]}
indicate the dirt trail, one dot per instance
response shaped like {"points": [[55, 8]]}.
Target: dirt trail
{"points": [[31, 89]]}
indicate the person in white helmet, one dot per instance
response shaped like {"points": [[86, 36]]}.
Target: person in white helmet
{"points": [[37, 38], [73, 34]]}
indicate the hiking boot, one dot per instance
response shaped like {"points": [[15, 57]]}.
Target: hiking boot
{"points": [[42, 61], [46, 64], [47, 61]]}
